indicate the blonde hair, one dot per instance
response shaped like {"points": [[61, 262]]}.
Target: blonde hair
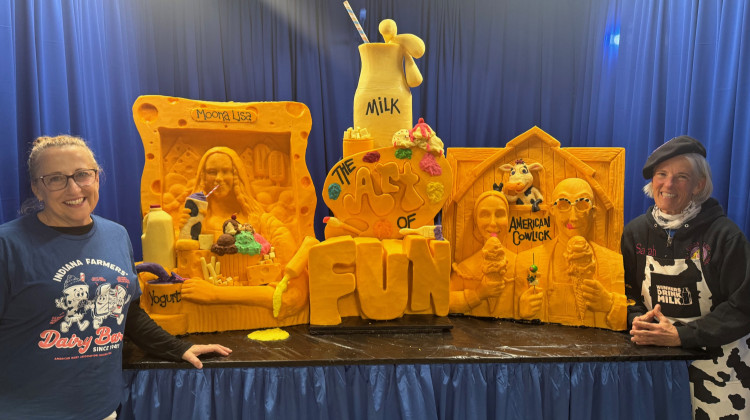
{"points": [[40, 145], [44, 143], [240, 186]]}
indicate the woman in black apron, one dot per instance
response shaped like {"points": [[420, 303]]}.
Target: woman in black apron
{"points": [[687, 270]]}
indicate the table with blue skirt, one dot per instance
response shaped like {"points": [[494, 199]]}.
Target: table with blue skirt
{"points": [[416, 368]]}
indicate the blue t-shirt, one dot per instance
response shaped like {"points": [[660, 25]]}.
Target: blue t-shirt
{"points": [[63, 302]]}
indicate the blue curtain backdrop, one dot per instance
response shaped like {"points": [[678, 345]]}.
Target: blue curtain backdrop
{"points": [[589, 72]]}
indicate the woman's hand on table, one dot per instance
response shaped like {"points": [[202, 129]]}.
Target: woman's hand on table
{"points": [[191, 355], [654, 329]]}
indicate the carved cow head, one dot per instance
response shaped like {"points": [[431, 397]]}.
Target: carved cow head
{"points": [[520, 176]]}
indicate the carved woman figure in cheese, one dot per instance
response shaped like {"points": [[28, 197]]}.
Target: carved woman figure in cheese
{"points": [[579, 281], [222, 173], [481, 284]]}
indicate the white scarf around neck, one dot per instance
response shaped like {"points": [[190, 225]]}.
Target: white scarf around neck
{"points": [[675, 221]]}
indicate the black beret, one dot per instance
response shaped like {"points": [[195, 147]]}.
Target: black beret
{"points": [[675, 147]]}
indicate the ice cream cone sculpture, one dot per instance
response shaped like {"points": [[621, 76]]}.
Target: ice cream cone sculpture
{"points": [[431, 232], [494, 265], [581, 266]]}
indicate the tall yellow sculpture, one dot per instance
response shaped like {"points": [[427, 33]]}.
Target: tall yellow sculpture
{"points": [[382, 101], [383, 257]]}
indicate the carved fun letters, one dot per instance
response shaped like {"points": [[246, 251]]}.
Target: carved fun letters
{"points": [[391, 278]]}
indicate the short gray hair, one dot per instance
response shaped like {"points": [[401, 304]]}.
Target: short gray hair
{"points": [[701, 169]]}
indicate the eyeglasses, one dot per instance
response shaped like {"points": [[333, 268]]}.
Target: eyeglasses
{"points": [[581, 205], [82, 177]]}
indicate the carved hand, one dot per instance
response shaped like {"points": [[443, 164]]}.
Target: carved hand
{"points": [[292, 301], [598, 299], [530, 302], [491, 286], [198, 290], [184, 216]]}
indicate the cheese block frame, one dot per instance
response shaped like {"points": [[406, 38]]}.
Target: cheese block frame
{"points": [[264, 146], [549, 251]]}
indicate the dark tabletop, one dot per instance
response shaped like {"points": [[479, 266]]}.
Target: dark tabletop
{"points": [[441, 340]]}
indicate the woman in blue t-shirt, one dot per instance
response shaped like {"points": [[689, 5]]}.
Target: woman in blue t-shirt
{"points": [[68, 295]]}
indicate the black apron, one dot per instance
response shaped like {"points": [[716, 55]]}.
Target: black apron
{"points": [[679, 286]]}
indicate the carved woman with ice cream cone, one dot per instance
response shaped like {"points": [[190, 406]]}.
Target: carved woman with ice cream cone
{"points": [[482, 285]]}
